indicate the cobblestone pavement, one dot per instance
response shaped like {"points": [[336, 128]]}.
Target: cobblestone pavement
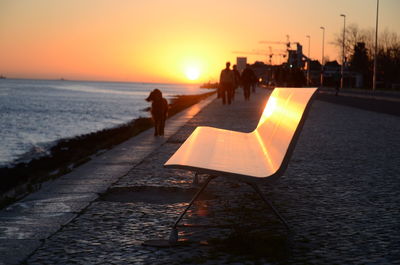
{"points": [[340, 195]]}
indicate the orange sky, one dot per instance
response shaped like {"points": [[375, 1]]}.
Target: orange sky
{"points": [[158, 40]]}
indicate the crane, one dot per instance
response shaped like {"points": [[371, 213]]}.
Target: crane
{"points": [[295, 55], [287, 43], [272, 52]]}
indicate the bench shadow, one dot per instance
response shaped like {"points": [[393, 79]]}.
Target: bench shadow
{"points": [[152, 194]]}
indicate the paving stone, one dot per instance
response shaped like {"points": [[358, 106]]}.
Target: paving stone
{"points": [[44, 206], [340, 194], [31, 226], [15, 251], [57, 197]]}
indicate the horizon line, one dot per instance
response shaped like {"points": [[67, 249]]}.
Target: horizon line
{"points": [[94, 80]]}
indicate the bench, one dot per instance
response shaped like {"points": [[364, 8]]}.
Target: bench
{"points": [[259, 156]]}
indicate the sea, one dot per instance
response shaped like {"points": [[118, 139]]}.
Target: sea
{"points": [[36, 114]]}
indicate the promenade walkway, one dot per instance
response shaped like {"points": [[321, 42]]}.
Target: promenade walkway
{"points": [[340, 194]]}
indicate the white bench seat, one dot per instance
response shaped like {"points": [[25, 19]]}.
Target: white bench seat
{"points": [[218, 151], [249, 156]]}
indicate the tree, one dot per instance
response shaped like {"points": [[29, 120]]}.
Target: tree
{"points": [[360, 46], [360, 62], [389, 59], [353, 36]]}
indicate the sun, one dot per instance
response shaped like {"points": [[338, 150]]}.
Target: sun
{"points": [[192, 73]]}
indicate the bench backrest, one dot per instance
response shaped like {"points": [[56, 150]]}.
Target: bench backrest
{"points": [[281, 123]]}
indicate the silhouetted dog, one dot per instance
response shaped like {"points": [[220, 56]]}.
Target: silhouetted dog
{"points": [[159, 111]]}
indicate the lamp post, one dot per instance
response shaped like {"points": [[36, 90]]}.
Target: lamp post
{"points": [[309, 61], [376, 47], [343, 52], [322, 59]]}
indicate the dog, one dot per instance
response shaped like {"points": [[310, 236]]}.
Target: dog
{"points": [[159, 111]]}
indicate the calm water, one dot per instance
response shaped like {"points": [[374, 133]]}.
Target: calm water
{"points": [[34, 114]]}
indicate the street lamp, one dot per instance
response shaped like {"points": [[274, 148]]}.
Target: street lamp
{"points": [[322, 59], [376, 47], [309, 61], [343, 52]]}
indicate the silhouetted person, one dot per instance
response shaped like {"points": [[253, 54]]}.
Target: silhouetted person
{"points": [[237, 80], [159, 111], [226, 82], [337, 78], [254, 82], [247, 81]]}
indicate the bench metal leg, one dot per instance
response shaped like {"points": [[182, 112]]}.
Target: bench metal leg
{"points": [[195, 182], [257, 189], [194, 199], [173, 236]]}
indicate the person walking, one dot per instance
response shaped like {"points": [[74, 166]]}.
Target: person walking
{"points": [[237, 80], [159, 111], [337, 77], [226, 83], [254, 82], [247, 81]]}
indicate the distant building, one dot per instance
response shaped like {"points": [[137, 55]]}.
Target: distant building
{"points": [[295, 57], [241, 63], [332, 74], [262, 71]]}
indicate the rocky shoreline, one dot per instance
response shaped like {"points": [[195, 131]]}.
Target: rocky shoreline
{"points": [[67, 154]]}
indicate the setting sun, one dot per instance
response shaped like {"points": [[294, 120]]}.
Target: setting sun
{"points": [[192, 73]]}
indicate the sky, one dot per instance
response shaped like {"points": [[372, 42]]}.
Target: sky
{"points": [[168, 41]]}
